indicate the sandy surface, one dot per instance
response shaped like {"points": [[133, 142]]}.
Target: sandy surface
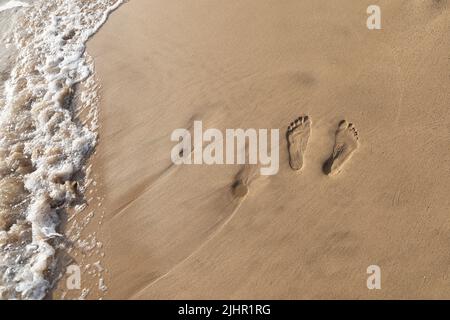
{"points": [[178, 231]]}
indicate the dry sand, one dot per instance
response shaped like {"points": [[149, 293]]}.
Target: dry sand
{"points": [[179, 231]]}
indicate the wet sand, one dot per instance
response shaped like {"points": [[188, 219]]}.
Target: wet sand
{"points": [[179, 232]]}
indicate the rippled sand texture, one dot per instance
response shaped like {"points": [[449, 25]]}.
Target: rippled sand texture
{"points": [[181, 232], [44, 144]]}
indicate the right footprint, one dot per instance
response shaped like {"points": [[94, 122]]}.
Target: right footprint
{"points": [[345, 145]]}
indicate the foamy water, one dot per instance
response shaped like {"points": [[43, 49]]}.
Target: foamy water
{"points": [[43, 142], [12, 4]]}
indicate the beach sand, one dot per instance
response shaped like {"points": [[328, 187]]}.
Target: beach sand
{"points": [[179, 232]]}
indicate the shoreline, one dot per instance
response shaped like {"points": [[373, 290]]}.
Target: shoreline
{"points": [[45, 139]]}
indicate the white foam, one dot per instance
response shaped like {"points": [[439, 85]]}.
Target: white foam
{"points": [[13, 4], [40, 132]]}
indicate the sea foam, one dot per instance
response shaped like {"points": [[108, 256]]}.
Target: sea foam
{"points": [[12, 4], [43, 143]]}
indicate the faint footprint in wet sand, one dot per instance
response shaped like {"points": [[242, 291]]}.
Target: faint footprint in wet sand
{"points": [[243, 179], [345, 145], [298, 135]]}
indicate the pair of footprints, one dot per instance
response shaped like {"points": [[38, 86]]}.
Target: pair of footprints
{"points": [[298, 135], [345, 145]]}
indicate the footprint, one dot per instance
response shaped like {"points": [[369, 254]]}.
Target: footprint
{"points": [[298, 135], [243, 180], [345, 145]]}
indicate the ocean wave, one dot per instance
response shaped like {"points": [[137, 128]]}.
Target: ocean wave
{"points": [[12, 4], [43, 143]]}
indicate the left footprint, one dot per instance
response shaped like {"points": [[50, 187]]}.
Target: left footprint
{"points": [[298, 135]]}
